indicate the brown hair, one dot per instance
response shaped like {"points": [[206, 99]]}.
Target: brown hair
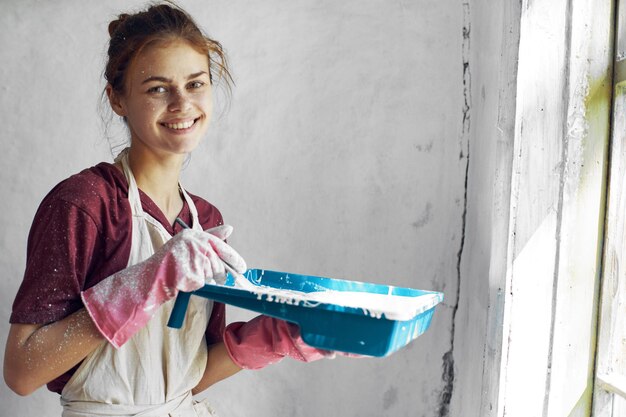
{"points": [[130, 33]]}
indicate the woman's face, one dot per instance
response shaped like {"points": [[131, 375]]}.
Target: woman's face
{"points": [[167, 99]]}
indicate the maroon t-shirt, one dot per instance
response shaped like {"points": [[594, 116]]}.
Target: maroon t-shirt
{"points": [[81, 234]]}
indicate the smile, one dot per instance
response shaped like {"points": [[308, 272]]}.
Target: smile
{"points": [[180, 125]]}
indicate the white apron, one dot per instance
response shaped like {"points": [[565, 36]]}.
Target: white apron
{"points": [[153, 373]]}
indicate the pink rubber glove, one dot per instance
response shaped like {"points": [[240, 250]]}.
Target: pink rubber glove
{"points": [[123, 303], [265, 340]]}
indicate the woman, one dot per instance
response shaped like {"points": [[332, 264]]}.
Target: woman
{"points": [[106, 257]]}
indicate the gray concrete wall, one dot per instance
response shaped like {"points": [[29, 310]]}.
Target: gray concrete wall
{"points": [[344, 153]]}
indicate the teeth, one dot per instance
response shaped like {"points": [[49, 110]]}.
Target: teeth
{"points": [[177, 126]]}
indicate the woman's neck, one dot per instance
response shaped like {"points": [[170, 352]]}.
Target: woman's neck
{"points": [[158, 177]]}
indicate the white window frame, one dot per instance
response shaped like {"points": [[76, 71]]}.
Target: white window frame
{"points": [[609, 398]]}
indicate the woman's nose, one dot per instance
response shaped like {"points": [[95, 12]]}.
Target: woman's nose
{"points": [[179, 101]]}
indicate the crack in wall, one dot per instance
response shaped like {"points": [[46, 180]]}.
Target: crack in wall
{"points": [[448, 374]]}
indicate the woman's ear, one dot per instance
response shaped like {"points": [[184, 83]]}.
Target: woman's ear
{"points": [[115, 101]]}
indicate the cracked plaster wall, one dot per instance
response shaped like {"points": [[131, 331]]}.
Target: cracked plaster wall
{"points": [[492, 55]]}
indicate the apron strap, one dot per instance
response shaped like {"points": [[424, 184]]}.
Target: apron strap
{"points": [[192, 209], [133, 190]]}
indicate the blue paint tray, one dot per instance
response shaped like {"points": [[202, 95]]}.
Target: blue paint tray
{"points": [[333, 314]]}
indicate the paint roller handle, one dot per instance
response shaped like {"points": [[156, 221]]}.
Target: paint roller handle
{"points": [[177, 316]]}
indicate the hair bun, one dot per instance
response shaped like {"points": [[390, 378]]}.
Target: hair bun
{"points": [[115, 24]]}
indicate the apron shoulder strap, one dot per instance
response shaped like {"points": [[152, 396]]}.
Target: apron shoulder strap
{"points": [[192, 209], [133, 190]]}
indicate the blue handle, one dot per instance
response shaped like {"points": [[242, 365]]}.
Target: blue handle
{"points": [[177, 317]]}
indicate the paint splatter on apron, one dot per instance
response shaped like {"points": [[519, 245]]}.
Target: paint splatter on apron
{"points": [[153, 373]]}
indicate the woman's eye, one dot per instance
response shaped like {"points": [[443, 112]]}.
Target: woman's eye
{"points": [[196, 84], [157, 90]]}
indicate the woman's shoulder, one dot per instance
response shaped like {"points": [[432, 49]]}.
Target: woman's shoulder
{"points": [[91, 190]]}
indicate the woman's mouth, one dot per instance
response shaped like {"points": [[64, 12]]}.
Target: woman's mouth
{"points": [[180, 126]]}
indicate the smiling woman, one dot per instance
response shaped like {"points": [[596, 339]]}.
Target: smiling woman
{"points": [[166, 100], [106, 258]]}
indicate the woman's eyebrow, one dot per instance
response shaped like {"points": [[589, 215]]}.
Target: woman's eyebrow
{"points": [[197, 74], [169, 80], [156, 78]]}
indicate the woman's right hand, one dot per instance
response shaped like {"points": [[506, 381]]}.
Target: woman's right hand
{"points": [[123, 303], [226, 253]]}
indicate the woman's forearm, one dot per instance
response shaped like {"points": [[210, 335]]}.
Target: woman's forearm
{"points": [[219, 366], [36, 354]]}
